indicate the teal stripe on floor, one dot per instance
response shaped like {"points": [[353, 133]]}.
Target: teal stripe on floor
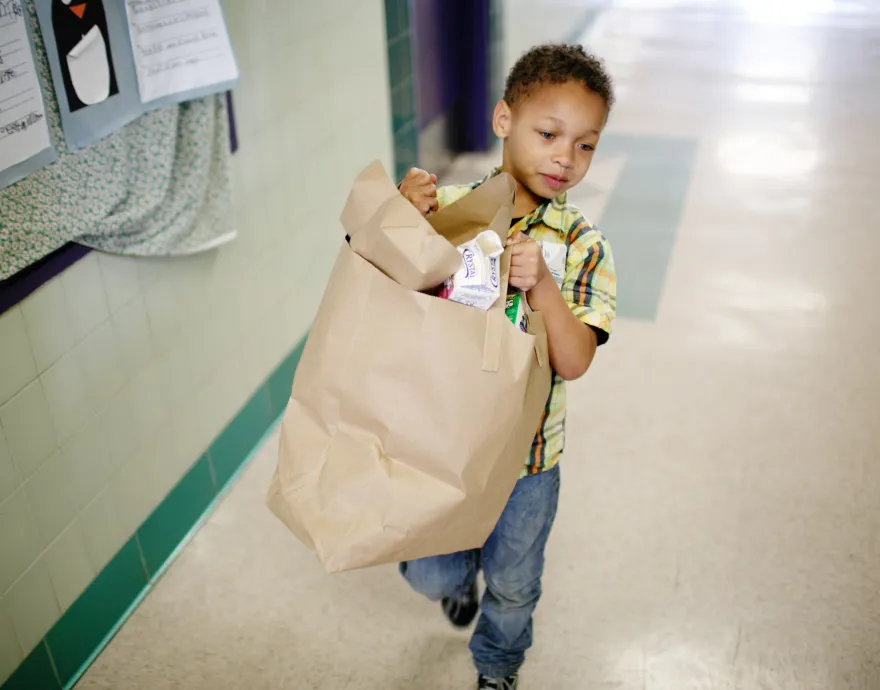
{"points": [[643, 212], [642, 215]]}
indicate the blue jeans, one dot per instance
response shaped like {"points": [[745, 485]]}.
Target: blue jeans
{"points": [[512, 560]]}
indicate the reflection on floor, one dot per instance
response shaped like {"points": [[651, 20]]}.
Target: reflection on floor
{"points": [[719, 526]]}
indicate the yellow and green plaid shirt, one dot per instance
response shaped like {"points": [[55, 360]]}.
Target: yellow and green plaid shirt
{"points": [[588, 285]]}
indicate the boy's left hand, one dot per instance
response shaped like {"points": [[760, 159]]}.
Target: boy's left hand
{"points": [[527, 265]]}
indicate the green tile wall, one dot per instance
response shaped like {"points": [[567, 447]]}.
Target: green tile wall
{"points": [[401, 80], [82, 629], [89, 624], [35, 672], [165, 529]]}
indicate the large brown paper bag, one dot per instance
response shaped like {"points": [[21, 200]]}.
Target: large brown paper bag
{"points": [[411, 416]]}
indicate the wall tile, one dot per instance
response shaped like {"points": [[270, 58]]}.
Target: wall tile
{"points": [[69, 394], [35, 673], [396, 17], [399, 59], [9, 477], [135, 490], [117, 423], [102, 364], [132, 328], [192, 438], [33, 605], [84, 462], [281, 382], [192, 278], [206, 425], [169, 523], [86, 623], [70, 567], [53, 504], [115, 340], [405, 149], [175, 377], [240, 437], [102, 529], [198, 356], [20, 541], [403, 103], [49, 325], [147, 401], [11, 654], [86, 298], [165, 460], [119, 276], [151, 271], [164, 312], [17, 365], [27, 421]]}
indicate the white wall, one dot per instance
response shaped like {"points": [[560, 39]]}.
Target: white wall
{"points": [[115, 376]]}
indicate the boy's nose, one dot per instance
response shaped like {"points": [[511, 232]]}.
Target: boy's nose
{"points": [[564, 159]]}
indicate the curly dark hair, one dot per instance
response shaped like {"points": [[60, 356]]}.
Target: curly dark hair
{"points": [[557, 63]]}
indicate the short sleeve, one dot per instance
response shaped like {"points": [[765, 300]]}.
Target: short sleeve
{"points": [[590, 284]]}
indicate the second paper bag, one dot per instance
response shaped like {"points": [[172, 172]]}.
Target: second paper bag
{"points": [[410, 416]]}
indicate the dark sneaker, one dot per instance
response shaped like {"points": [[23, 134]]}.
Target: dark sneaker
{"points": [[509, 683], [462, 610]]}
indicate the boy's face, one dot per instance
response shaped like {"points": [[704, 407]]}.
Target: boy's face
{"points": [[549, 136]]}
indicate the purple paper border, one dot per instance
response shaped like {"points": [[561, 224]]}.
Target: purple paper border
{"points": [[233, 132], [27, 281]]}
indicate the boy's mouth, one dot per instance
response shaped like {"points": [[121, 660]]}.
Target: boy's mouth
{"points": [[554, 181]]}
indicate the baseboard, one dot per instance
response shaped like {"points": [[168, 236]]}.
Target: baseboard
{"points": [[91, 622]]}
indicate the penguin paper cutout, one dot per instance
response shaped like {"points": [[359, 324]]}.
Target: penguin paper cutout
{"points": [[84, 52]]}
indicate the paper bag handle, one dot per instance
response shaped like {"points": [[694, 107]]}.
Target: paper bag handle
{"points": [[496, 318], [495, 324]]}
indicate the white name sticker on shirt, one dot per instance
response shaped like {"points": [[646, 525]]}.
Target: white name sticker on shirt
{"points": [[555, 254]]}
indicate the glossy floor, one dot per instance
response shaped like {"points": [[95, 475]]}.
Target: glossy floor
{"points": [[720, 518]]}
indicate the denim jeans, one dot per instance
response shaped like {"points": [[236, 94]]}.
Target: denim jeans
{"points": [[512, 560]]}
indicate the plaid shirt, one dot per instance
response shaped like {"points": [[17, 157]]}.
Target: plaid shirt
{"points": [[588, 285]]}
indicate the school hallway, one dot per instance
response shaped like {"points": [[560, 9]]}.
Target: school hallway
{"points": [[719, 525]]}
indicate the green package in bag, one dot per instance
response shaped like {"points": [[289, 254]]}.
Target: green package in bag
{"points": [[516, 310]]}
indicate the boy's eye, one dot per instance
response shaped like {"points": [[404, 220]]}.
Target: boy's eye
{"points": [[586, 147], [547, 135]]}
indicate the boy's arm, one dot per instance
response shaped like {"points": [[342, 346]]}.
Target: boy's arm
{"points": [[578, 319], [571, 342]]}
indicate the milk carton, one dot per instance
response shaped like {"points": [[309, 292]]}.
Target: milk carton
{"points": [[477, 282]]}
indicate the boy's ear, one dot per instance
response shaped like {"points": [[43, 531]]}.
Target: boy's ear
{"points": [[501, 119]]}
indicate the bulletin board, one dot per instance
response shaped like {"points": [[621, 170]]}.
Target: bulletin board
{"points": [[159, 186]]}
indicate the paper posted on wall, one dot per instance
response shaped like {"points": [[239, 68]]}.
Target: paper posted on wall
{"points": [[179, 46], [23, 129]]}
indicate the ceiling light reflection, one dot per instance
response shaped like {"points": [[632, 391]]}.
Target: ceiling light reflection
{"points": [[774, 93], [766, 156]]}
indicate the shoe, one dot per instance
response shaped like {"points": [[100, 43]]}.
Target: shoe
{"points": [[462, 610], [509, 683]]}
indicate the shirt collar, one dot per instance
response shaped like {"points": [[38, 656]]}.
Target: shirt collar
{"points": [[548, 213]]}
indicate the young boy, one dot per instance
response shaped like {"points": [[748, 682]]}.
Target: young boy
{"points": [[555, 105]]}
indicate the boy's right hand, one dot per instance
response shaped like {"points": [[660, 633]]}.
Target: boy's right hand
{"points": [[420, 189]]}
